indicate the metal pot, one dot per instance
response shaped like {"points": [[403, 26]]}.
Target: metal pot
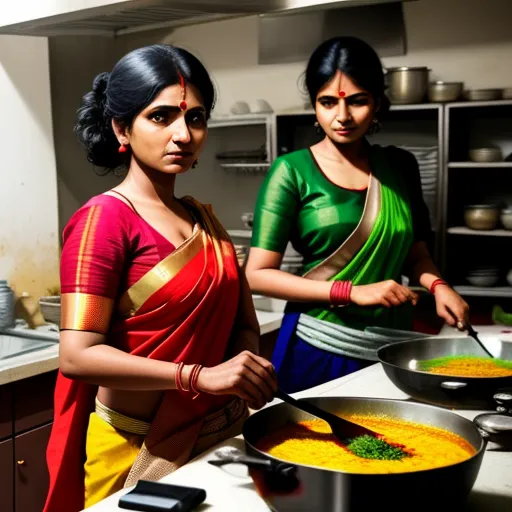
{"points": [[457, 392], [407, 85], [298, 487]]}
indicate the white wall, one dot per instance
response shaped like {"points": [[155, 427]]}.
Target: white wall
{"points": [[28, 191], [470, 41]]}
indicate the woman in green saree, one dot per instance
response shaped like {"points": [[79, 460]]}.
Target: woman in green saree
{"points": [[355, 212]]}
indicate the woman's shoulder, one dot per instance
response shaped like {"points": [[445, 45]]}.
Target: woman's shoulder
{"points": [[295, 159], [101, 210], [295, 166]]}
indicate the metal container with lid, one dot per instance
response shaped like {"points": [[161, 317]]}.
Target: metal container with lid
{"points": [[406, 85]]}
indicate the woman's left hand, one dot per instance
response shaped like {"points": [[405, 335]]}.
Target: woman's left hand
{"points": [[451, 307]]}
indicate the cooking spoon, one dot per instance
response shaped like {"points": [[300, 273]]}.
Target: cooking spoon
{"points": [[474, 335], [342, 429]]}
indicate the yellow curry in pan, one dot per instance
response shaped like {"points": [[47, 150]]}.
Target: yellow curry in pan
{"points": [[312, 443]]}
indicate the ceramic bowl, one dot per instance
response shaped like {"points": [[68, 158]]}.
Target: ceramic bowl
{"points": [[506, 218]]}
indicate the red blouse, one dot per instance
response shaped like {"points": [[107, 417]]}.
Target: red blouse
{"points": [[107, 247]]}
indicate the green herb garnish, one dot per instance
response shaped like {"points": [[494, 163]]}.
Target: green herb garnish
{"points": [[370, 447]]}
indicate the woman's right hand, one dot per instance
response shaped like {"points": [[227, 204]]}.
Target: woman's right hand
{"points": [[385, 293], [246, 375]]}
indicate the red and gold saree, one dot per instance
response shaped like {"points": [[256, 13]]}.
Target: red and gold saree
{"points": [[183, 309]]}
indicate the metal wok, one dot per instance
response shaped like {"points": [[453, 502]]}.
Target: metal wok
{"points": [[455, 392], [298, 488]]}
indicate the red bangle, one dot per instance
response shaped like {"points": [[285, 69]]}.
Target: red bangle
{"points": [[436, 283], [179, 384], [340, 293], [193, 379]]}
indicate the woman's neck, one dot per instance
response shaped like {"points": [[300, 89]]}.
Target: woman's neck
{"points": [[148, 185], [343, 153]]}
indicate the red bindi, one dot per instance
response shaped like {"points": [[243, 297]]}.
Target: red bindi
{"points": [[342, 94]]}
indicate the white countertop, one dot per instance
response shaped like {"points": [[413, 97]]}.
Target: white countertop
{"points": [[28, 365], [269, 321], [45, 360], [225, 492]]}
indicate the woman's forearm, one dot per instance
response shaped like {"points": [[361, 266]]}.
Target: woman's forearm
{"points": [[423, 269], [103, 365], [282, 285]]}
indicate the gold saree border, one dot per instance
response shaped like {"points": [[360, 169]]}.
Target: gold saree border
{"points": [[342, 256], [132, 300], [85, 312]]}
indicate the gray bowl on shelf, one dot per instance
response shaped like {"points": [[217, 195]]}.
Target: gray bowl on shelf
{"points": [[481, 217], [483, 281], [485, 155], [442, 92], [506, 218], [483, 94]]}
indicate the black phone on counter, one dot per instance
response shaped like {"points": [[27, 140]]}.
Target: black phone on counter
{"points": [[157, 497]]}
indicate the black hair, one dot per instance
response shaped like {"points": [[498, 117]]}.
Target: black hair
{"points": [[354, 58], [132, 85]]}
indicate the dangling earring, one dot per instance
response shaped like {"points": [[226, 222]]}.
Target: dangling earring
{"points": [[374, 127], [122, 148], [194, 165], [318, 127]]}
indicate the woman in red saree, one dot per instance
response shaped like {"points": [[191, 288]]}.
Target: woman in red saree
{"points": [[158, 332]]}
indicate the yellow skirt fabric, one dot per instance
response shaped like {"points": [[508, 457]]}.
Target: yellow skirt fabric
{"points": [[110, 454]]}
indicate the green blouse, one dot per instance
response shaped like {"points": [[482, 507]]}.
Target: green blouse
{"points": [[298, 203]]}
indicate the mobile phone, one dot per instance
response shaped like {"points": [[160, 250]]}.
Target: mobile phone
{"points": [[157, 497]]}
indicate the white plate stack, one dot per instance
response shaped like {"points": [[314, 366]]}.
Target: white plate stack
{"points": [[428, 162]]}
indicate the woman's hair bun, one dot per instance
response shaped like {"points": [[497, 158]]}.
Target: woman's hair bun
{"points": [[94, 127]]}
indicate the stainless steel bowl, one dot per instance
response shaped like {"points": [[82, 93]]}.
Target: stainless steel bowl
{"points": [[483, 94], [442, 92], [485, 155], [407, 85], [481, 217]]}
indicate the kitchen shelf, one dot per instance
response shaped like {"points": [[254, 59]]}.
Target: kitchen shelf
{"points": [[462, 230], [416, 106], [247, 168], [239, 120], [240, 233], [480, 165], [475, 291], [473, 104]]}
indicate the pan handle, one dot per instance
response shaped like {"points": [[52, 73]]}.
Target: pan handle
{"points": [[453, 386], [269, 465]]}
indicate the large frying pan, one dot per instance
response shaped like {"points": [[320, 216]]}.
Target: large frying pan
{"points": [[300, 488], [456, 392]]}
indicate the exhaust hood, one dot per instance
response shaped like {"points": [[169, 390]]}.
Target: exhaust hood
{"points": [[118, 17]]}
